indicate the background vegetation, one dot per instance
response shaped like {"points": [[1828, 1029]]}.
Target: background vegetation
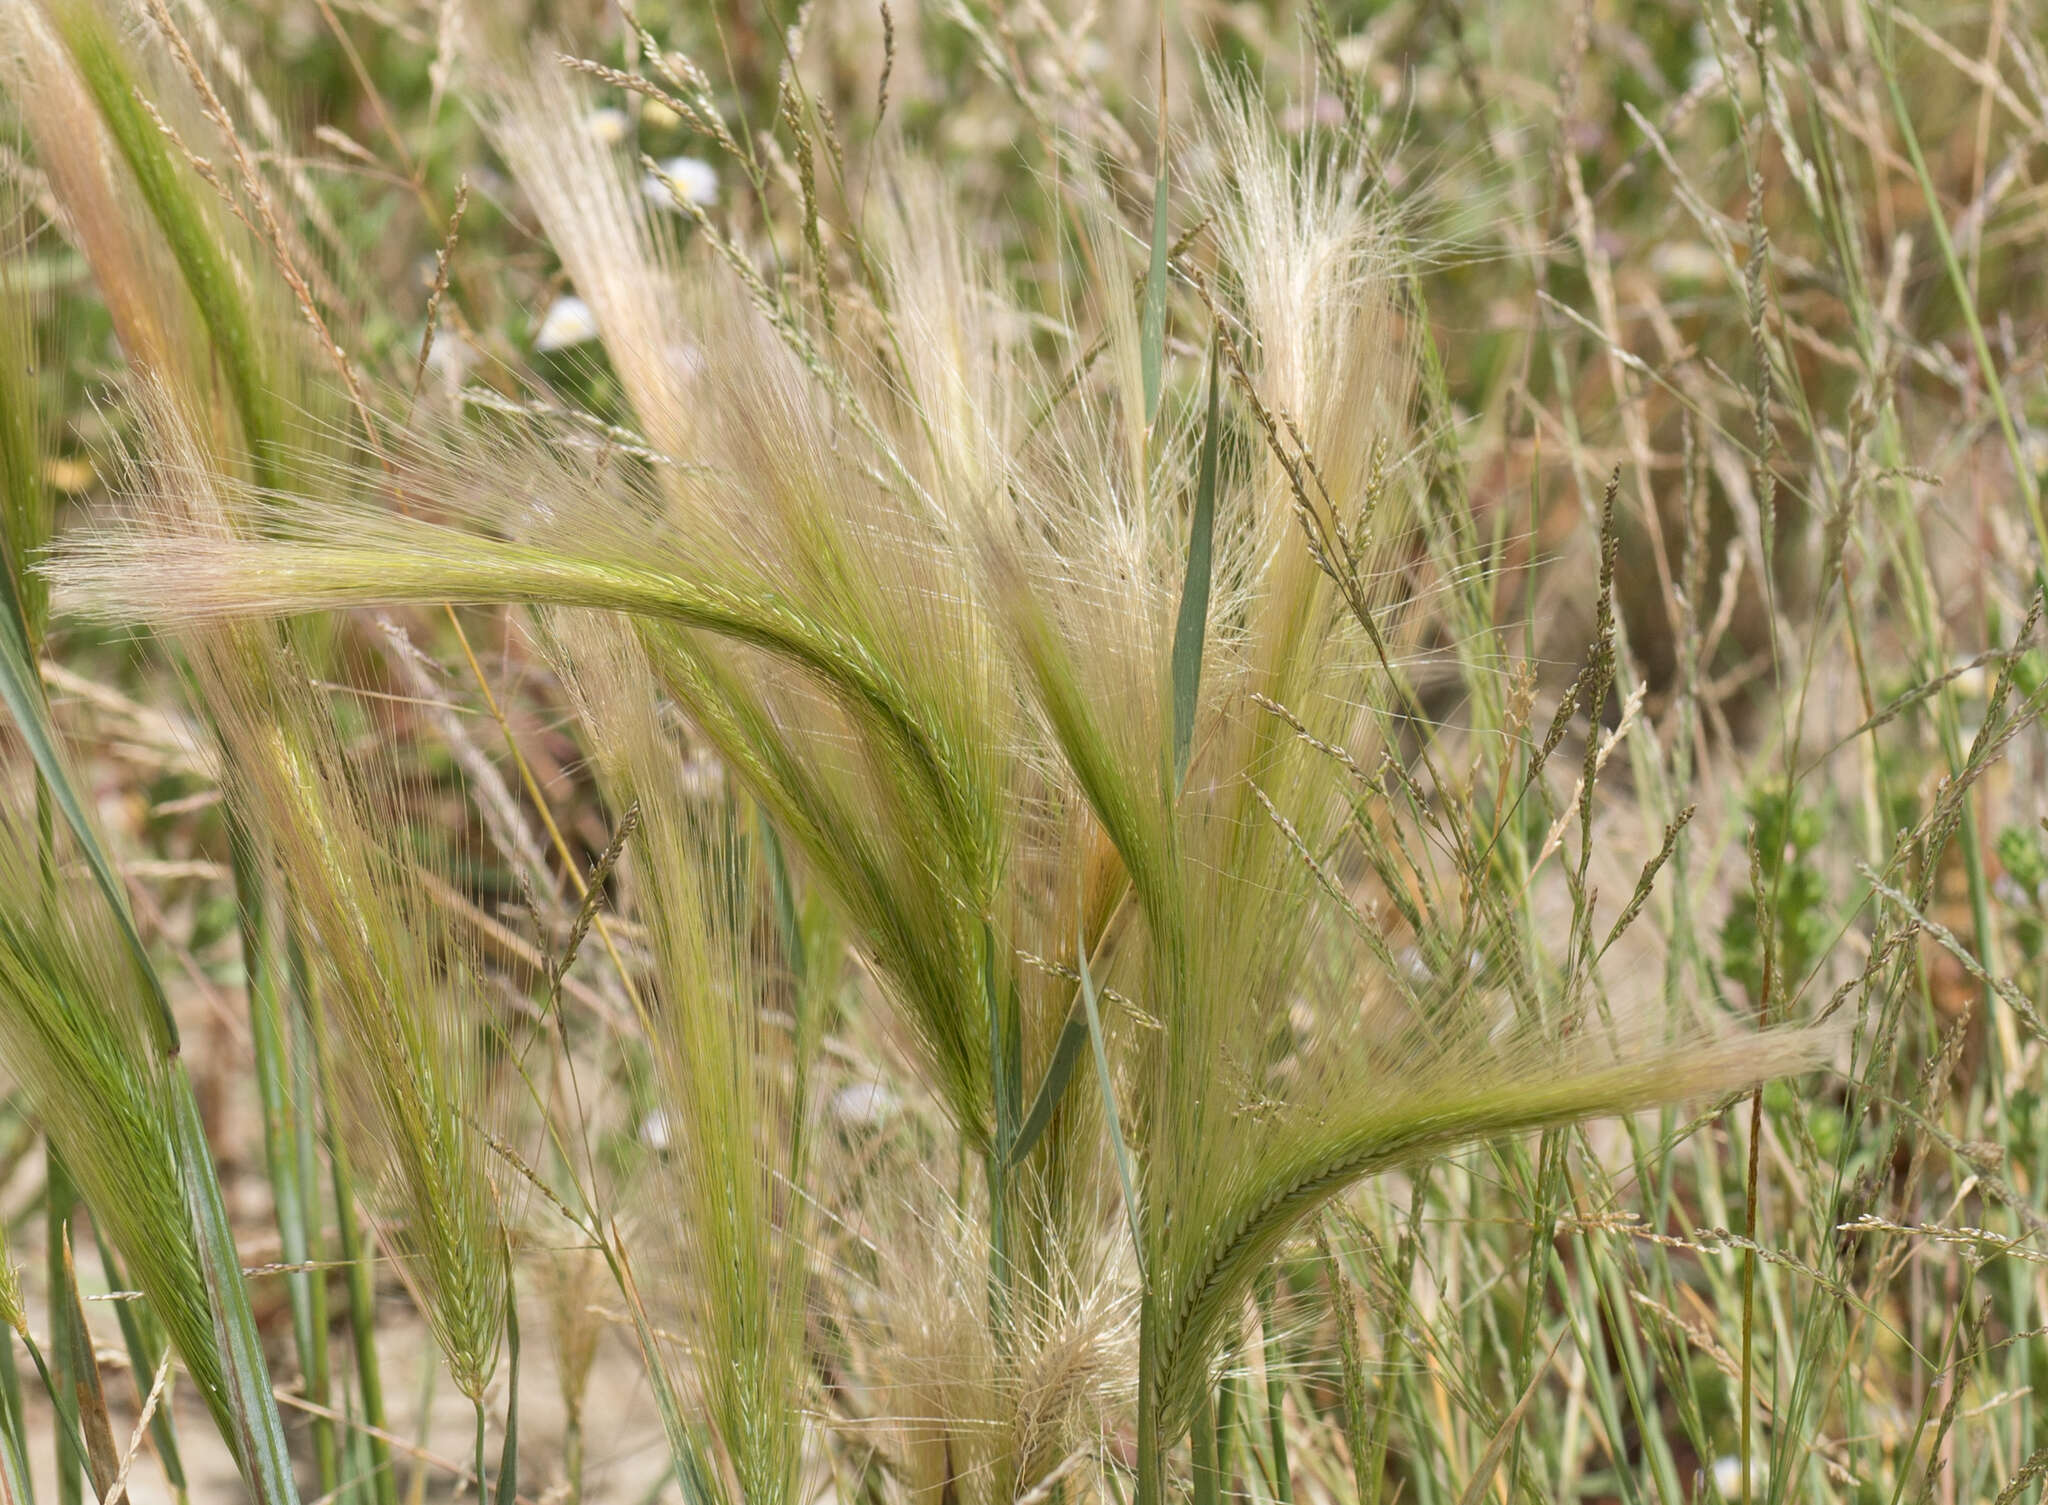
{"points": [[618, 1056]]}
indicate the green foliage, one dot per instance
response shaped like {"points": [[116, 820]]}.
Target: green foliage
{"points": [[2024, 856], [1787, 835]]}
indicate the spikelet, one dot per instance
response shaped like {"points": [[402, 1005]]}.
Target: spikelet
{"points": [[570, 1280], [12, 1312], [850, 687], [75, 1036], [621, 259], [406, 1017], [965, 1407], [735, 1228], [194, 292], [101, 216]]}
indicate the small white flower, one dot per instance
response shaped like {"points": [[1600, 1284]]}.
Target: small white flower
{"points": [[607, 126], [865, 1105], [655, 1132], [568, 321], [449, 360], [2034, 445], [694, 178], [1728, 1476], [1685, 261], [702, 775], [1705, 68]]}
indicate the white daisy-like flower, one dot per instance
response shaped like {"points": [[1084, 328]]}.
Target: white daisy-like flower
{"points": [[567, 322], [694, 178], [1685, 261], [607, 126]]}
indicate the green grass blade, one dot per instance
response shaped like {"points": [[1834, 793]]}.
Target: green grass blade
{"points": [[783, 888], [15, 1485], [89, 1397], [362, 1294], [1481, 1481], [1108, 1085], [1066, 1055], [21, 688], [1189, 630], [265, 1459], [693, 1471], [144, 1341], [303, 1079], [508, 1454], [1228, 1399], [71, 1452], [281, 1116], [1005, 1089], [1202, 1445], [1276, 1389], [60, 1199], [811, 1003], [1354, 1414]]}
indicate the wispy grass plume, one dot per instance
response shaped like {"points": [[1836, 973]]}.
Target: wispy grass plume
{"points": [[919, 586], [77, 1033]]}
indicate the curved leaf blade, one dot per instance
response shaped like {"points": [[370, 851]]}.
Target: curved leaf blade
{"points": [[1066, 1055], [1193, 622], [21, 687], [259, 1431]]}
